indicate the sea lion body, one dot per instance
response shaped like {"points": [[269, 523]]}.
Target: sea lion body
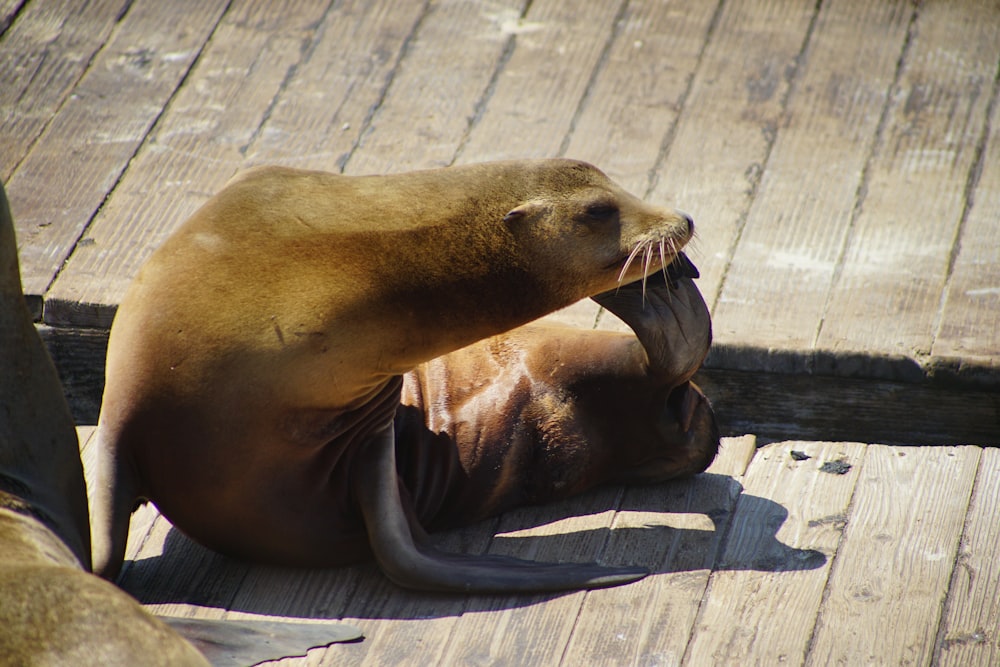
{"points": [[542, 413], [256, 364]]}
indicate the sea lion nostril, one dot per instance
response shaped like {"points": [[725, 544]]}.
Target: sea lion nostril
{"points": [[690, 222]]}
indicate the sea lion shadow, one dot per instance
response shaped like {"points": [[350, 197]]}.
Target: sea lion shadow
{"points": [[732, 531]]}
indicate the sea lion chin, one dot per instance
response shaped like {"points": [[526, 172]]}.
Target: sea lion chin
{"points": [[256, 365]]}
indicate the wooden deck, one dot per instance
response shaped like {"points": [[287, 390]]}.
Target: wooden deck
{"points": [[842, 161]]}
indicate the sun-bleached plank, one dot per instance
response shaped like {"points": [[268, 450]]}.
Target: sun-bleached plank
{"points": [[435, 93], [968, 330], [674, 530], [495, 627], [195, 148], [888, 291], [76, 162], [762, 599], [886, 593], [728, 125], [776, 286], [41, 59], [318, 120], [970, 631], [532, 103], [640, 88]]}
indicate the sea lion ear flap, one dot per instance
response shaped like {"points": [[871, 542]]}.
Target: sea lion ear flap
{"points": [[525, 211]]}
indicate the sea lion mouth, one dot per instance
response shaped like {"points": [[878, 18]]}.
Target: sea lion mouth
{"points": [[658, 248], [678, 268]]}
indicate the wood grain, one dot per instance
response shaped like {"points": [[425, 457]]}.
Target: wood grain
{"points": [[529, 110], [440, 83], [639, 88], [970, 630], [675, 530], [325, 108], [8, 10], [888, 289], [574, 530], [196, 147], [896, 561], [782, 268], [42, 58], [763, 596], [81, 155], [728, 125], [968, 334]]}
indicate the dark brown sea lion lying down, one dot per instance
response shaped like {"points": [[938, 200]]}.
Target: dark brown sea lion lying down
{"points": [[303, 330]]}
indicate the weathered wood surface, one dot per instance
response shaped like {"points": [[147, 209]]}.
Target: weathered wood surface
{"points": [[842, 168], [841, 553], [842, 159]]}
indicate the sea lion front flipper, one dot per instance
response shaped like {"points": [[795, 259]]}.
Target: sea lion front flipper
{"points": [[414, 564]]}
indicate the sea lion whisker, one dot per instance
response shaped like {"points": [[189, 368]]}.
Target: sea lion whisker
{"points": [[663, 260], [646, 261], [628, 262]]}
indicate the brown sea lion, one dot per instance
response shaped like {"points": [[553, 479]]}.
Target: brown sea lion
{"points": [[544, 412], [52, 611], [255, 366]]}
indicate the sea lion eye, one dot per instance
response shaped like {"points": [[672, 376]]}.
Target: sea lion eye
{"points": [[601, 212]]}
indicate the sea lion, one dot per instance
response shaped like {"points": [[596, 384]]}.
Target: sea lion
{"points": [[545, 412], [52, 611], [255, 365]]}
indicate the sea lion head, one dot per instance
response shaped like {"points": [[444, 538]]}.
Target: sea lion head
{"points": [[604, 235]]}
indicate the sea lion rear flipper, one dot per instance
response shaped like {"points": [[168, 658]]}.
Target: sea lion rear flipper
{"points": [[234, 643], [419, 566]]}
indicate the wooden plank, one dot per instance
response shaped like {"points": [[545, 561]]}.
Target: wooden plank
{"points": [[326, 107], [781, 270], [173, 576], [78, 159], [898, 255], [519, 630], [195, 148], [728, 125], [8, 11], [675, 530], [404, 626], [967, 332], [434, 95], [970, 632], [763, 597], [498, 628], [41, 59], [534, 98], [639, 89], [897, 557]]}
